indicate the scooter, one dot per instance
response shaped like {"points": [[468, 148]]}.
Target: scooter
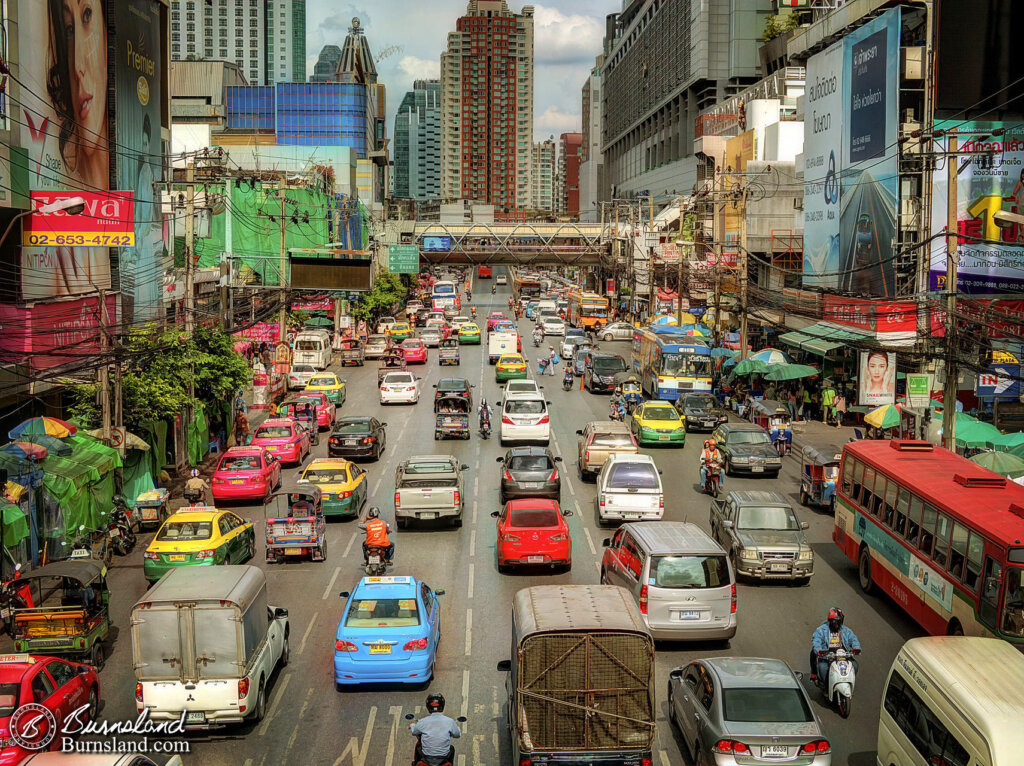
{"points": [[538, 338], [420, 760], [194, 496], [120, 532], [376, 563], [712, 479], [841, 679], [617, 412], [568, 380]]}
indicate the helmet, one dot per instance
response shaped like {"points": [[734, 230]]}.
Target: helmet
{"points": [[435, 703], [483, 402], [835, 619], [195, 473], [373, 513], [712, 443]]}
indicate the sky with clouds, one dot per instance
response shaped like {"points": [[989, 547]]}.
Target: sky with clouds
{"points": [[567, 37]]}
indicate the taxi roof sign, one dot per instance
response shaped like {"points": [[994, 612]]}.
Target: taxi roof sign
{"points": [[196, 509], [17, 658], [387, 580]]}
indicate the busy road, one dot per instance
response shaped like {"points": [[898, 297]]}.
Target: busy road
{"points": [[308, 721]]}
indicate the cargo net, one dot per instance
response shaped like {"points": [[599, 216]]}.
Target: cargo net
{"points": [[587, 691]]}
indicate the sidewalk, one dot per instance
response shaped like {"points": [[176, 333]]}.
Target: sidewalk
{"points": [[817, 433]]}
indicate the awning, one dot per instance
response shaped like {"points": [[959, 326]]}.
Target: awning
{"points": [[821, 338]]}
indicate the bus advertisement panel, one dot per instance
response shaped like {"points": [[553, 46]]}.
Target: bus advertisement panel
{"points": [[669, 365], [587, 310]]}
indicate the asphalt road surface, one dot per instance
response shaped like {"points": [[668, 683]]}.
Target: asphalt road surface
{"points": [[309, 722]]}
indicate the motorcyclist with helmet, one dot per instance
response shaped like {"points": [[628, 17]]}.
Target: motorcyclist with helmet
{"points": [[484, 413], [196, 489], [435, 733], [710, 456], [377, 535], [829, 636]]}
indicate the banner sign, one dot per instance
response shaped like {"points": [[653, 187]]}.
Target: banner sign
{"points": [[437, 244], [876, 383], [313, 304], [54, 333], [1000, 382], [261, 332], [403, 259], [107, 221], [919, 389]]}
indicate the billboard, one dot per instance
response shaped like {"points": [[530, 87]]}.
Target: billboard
{"points": [[876, 381], [107, 221], [54, 333], [138, 78], [437, 244], [851, 161], [986, 185]]}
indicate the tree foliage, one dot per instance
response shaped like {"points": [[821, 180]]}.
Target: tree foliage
{"points": [[388, 291], [778, 25]]}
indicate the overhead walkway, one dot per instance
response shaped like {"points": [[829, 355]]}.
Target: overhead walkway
{"points": [[542, 244]]}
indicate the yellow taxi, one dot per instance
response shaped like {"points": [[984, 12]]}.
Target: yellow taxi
{"points": [[510, 367], [342, 482], [657, 422], [400, 331], [198, 536], [330, 384], [469, 334]]}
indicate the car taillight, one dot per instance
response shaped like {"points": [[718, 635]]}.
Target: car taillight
{"points": [[369, 439], [151, 556], [732, 609], [507, 538], [643, 600], [398, 500], [524, 762], [646, 762], [507, 420], [333, 440], [218, 481], [553, 476], [138, 692], [416, 645], [458, 497], [600, 501], [818, 746], [586, 456], [343, 495], [506, 476], [559, 538], [207, 554], [543, 420], [345, 646], [661, 501], [730, 746], [243, 688]]}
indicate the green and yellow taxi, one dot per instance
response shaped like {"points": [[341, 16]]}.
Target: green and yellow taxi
{"points": [[400, 331], [342, 482], [657, 422], [510, 367], [199, 536], [469, 334], [330, 384]]}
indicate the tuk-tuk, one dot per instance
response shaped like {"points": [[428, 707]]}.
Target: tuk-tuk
{"points": [[296, 525], [351, 351], [70, 614], [451, 417], [632, 391], [773, 417], [448, 351], [302, 409], [819, 474], [393, 362], [151, 507]]}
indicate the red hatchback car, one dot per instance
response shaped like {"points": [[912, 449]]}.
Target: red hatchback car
{"points": [[414, 350], [286, 439], [58, 685], [246, 473], [533, 532]]}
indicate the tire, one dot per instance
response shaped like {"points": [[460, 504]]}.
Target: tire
{"points": [[954, 628], [803, 496], [607, 338], [260, 708], [285, 652], [864, 570], [843, 705], [728, 467], [402, 523], [457, 522], [94, 704], [251, 553], [602, 579]]}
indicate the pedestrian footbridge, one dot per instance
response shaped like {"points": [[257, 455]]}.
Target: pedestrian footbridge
{"points": [[525, 244]]}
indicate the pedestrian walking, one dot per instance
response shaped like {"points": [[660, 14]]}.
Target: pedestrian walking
{"points": [[552, 360], [791, 403], [840, 408], [241, 429], [828, 402]]}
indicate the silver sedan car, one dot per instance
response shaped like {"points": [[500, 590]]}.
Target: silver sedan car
{"points": [[616, 331], [745, 710]]}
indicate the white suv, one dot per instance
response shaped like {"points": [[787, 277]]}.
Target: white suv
{"points": [[629, 489], [525, 419]]}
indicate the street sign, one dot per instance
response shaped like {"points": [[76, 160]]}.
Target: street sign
{"points": [[403, 259], [609, 286], [919, 389], [1000, 382]]}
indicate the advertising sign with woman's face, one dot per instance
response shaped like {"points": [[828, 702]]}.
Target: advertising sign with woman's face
{"points": [[877, 379]]}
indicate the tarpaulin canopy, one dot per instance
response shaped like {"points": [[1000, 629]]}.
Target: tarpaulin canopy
{"points": [[821, 338], [14, 522]]}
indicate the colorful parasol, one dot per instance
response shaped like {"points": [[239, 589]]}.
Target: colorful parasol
{"points": [[43, 426], [779, 372], [772, 356], [885, 416], [25, 450]]}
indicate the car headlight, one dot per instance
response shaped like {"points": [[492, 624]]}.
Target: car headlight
{"points": [[806, 555], [741, 460], [774, 461], [750, 554]]}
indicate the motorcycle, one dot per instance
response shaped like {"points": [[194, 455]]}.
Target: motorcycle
{"points": [[194, 496], [469, 297], [568, 380], [119, 529], [617, 412], [838, 687], [376, 561], [538, 338], [420, 760], [485, 428], [712, 479]]}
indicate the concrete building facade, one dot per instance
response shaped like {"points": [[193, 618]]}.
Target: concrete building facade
{"points": [[487, 106], [591, 159], [417, 143], [542, 176], [569, 147], [326, 64]]}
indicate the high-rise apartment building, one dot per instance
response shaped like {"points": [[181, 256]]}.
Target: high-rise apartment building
{"points": [[591, 159], [265, 38], [487, 106], [542, 176], [568, 195], [326, 64], [417, 146]]}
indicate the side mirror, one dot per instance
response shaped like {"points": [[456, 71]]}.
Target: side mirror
{"points": [[558, 459], [675, 673], [495, 514], [464, 467], [343, 594], [383, 425], [439, 592], [606, 543], [83, 670], [434, 386], [499, 460], [280, 612], [579, 431], [727, 523], [804, 525], [660, 472], [567, 511], [461, 719], [548, 403], [505, 666], [408, 716]]}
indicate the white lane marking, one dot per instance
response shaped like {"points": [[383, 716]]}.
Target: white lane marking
{"points": [[465, 693], [476, 484], [476, 506], [572, 490], [295, 731], [376, 485], [330, 585], [472, 543], [279, 693], [663, 757], [395, 711], [359, 753], [590, 541], [469, 588], [469, 631], [349, 546], [309, 629]]}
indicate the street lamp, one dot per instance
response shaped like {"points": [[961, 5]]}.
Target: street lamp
{"points": [[1006, 219], [71, 206]]}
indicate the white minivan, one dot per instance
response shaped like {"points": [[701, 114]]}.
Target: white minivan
{"points": [[629, 489], [525, 419], [312, 347]]}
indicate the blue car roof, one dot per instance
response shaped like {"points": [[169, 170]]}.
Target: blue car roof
{"points": [[386, 587]]}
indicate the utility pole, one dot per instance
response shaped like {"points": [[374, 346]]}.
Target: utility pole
{"points": [[283, 314], [743, 274], [679, 269], [224, 314], [103, 371], [190, 241], [952, 243]]}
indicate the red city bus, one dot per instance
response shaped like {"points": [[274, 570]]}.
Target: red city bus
{"points": [[484, 272], [942, 536]]}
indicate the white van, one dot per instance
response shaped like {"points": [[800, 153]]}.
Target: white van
{"points": [[953, 700], [312, 347], [499, 343], [629, 489]]}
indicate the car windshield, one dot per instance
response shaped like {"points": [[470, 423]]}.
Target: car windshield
{"points": [[411, 343], [611, 440], [748, 437], [765, 705], [700, 401], [524, 407], [239, 463], [352, 428], [685, 364], [607, 364], [308, 345], [533, 517], [273, 432], [392, 379], [518, 386], [181, 531], [376, 340], [303, 368], [689, 571], [633, 476], [383, 613], [660, 413], [510, 360], [453, 385], [769, 517], [574, 332], [326, 475], [529, 463], [321, 381]]}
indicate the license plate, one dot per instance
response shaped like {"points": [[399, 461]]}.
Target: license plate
{"points": [[380, 648], [374, 559], [428, 515], [351, 442], [663, 437], [780, 567], [757, 469], [533, 484], [774, 751], [689, 615], [176, 557], [534, 559], [196, 717], [114, 533], [238, 481], [631, 515], [293, 551]]}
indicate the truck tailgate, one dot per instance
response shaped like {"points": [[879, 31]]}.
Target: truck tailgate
{"points": [[208, 696], [436, 495]]}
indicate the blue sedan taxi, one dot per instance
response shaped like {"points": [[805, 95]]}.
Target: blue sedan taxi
{"points": [[388, 632]]}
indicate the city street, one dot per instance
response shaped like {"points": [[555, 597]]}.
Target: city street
{"points": [[309, 722]]}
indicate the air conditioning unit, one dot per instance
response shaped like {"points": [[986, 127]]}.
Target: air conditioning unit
{"points": [[910, 145], [912, 62]]}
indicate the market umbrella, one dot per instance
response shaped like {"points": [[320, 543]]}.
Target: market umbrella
{"points": [[664, 319], [772, 356], [749, 365], [975, 434], [53, 445], [25, 450], [42, 426], [318, 322], [885, 416], [131, 441], [728, 353], [1003, 463], [779, 372], [1004, 442]]}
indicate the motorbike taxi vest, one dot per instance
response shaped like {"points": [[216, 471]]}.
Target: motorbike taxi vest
{"points": [[377, 533]]}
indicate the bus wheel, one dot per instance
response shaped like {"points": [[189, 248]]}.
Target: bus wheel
{"points": [[954, 628], [864, 570]]}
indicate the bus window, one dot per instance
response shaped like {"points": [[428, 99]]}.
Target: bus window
{"points": [[975, 548], [897, 522], [941, 551], [921, 726], [1013, 609], [913, 515], [902, 508], [958, 551], [992, 583], [847, 485], [927, 530], [867, 493], [858, 480]]}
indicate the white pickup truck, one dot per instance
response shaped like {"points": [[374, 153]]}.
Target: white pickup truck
{"points": [[429, 487]]}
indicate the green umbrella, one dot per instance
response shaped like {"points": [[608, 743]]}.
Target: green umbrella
{"points": [[1003, 463], [974, 434], [723, 352], [1004, 442], [318, 322], [790, 372], [749, 366]]}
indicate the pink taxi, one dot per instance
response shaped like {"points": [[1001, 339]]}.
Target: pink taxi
{"points": [[326, 410], [414, 350], [284, 438], [246, 473]]}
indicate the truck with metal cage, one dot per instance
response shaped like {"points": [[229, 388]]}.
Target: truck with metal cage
{"points": [[581, 679]]}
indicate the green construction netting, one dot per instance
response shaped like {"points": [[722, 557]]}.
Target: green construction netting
{"points": [[155, 434], [198, 436], [137, 477], [365, 228], [15, 524]]}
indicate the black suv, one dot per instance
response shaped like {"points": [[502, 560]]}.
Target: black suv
{"points": [[454, 387], [701, 412], [747, 447], [600, 370]]}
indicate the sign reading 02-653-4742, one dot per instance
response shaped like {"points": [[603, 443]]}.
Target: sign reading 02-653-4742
{"points": [[108, 220]]}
